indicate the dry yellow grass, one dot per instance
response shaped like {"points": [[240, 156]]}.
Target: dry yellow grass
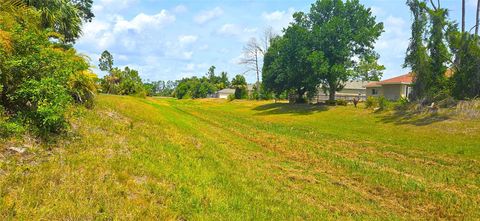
{"points": [[134, 158]]}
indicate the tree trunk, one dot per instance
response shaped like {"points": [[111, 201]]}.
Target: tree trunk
{"points": [[477, 23], [463, 16], [300, 93], [332, 92]]}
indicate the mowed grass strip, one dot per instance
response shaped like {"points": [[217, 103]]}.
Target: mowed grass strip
{"points": [[134, 158]]}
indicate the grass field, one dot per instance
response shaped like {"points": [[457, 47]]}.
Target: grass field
{"points": [[132, 158]]}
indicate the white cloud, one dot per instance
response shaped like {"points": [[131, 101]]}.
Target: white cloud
{"points": [[392, 45], [191, 67], [142, 21], [377, 11], [230, 29], [187, 55], [180, 9], [236, 30], [279, 19], [187, 39], [203, 47], [236, 60], [206, 16], [111, 5], [395, 38]]}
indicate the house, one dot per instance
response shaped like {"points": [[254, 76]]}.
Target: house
{"points": [[352, 89], [393, 88], [224, 93], [397, 87]]}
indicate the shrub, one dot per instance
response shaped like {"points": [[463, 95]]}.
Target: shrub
{"points": [[39, 75], [383, 103], [377, 102], [231, 97], [83, 87], [241, 93], [341, 102], [371, 102], [45, 104], [331, 103], [403, 101], [8, 129]]}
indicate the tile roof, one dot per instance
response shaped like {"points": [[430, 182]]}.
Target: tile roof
{"points": [[405, 79], [402, 79], [374, 84]]}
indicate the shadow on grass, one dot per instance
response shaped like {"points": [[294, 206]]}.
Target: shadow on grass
{"points": [[401, 117], [284, 108]]}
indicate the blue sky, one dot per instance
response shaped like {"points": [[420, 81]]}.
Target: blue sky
{"points": [[169, 40]]}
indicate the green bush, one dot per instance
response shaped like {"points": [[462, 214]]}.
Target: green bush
{"points": [[341, 102], [331, 103], [371, 102], [231, 97], [45, 104], [383, 103], [8, 128], [83, 87], [241, 93], [40, 78]]}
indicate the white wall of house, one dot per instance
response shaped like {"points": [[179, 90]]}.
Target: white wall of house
{"points": [[223, 95], [389, 91], [395, 91], [374, 91]]}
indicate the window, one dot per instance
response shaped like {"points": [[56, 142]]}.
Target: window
{"points": [[374, 91], [408, 92]]}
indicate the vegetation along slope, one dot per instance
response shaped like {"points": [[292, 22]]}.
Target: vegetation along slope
{"points": [[209, 159]]}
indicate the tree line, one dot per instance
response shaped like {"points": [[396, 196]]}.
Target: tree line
{"points": [[208, 85], [129, 82]]}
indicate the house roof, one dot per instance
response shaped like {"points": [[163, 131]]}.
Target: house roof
{"points": [[227, 91], [357, 84], [374, 84], [402, 79]]}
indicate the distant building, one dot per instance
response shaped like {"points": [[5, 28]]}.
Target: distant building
{"points": [[352, 89], [224, 93]]}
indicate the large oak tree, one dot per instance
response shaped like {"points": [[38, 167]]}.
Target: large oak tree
{"points": [[324, 48]]}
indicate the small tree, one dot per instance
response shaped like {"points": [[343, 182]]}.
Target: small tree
{"points": [[252, 53], [240, 85], [105, 61]]}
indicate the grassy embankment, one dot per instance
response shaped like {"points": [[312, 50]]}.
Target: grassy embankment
{"points": [[209, 159]]}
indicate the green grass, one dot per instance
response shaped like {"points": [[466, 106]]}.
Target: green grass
{"points": [[132, 158]]}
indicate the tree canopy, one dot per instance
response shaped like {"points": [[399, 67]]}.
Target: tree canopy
{"points": [[64, 16]]}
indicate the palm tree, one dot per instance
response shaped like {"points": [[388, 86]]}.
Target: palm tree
{"points": [[60, 15]]}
